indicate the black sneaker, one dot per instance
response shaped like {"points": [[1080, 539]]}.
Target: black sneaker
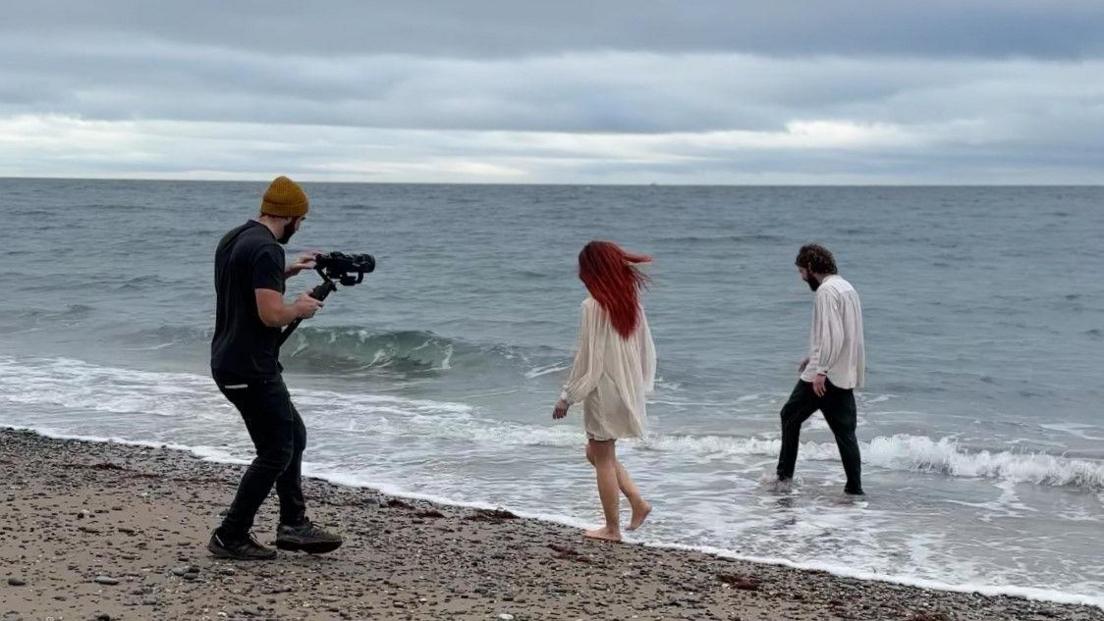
{"points": [[307, 537], [851, 491], [244, 550]]}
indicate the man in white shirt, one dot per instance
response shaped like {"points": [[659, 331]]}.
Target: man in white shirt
{"points": [[834, 368]]}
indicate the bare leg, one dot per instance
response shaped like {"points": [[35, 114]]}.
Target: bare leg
{"points": [[605, 470], [640, 507]]}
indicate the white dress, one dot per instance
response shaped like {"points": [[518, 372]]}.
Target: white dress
{"points": [[611, 375]]}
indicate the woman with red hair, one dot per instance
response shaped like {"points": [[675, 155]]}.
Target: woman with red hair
{"points": [[613, 371]]}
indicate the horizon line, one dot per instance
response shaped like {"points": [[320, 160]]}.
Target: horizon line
{"points": [[551, 183]]}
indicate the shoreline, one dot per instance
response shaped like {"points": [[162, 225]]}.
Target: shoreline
{"points": [[139, 516], [1029, 593]]}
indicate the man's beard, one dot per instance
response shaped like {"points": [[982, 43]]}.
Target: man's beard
{"points": [[289, 230], [813, 282]]}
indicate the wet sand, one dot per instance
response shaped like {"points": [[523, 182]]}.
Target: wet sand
{"points": [[94, 530]]}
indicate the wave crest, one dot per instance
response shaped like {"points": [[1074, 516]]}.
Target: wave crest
{"points": [[912, 453]]}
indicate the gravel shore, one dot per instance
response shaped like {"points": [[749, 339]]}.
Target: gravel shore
{"points": [[94, 530]]}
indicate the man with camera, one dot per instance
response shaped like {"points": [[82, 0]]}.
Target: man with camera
{"points": [[250, 274]]}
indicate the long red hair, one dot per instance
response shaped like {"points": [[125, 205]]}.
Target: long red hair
{"points": [[612, 278]]}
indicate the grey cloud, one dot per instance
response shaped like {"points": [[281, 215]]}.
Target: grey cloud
{"points": [[225, 150], [476, 28], [612, 92], [702, 92]]}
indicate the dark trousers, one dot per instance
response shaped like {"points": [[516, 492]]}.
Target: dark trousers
{"points": [[838, 407], [279, 436]]}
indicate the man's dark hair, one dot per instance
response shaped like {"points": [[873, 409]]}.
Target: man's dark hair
{"points": [[817, 259]]}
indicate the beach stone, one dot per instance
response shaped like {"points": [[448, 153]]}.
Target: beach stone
{"points": [[16, 582], [505, 616], [108, 580]]}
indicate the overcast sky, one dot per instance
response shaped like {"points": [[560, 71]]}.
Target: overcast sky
{"points": [[632, 91]]}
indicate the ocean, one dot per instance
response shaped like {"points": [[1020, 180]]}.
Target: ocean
{"points": [[980, 426]]}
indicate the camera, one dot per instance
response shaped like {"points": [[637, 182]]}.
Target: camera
{"points": [[348, 269]]}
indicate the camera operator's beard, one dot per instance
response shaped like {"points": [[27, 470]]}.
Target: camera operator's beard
{"points": [[289, 230]]}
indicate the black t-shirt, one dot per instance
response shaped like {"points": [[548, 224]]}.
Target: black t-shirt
{"points": [[247, 258]]}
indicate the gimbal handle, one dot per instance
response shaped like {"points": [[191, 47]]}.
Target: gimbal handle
{"points": [[319, 293]]}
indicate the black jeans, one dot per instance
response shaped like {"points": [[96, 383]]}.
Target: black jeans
{"points": [[838, 407], [279, 436]]}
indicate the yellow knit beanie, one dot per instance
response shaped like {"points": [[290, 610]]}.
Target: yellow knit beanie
{"points": [[285, 198]]}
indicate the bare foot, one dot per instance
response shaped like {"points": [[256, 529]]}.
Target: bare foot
{"points": [[605, 534], [639, 514]]}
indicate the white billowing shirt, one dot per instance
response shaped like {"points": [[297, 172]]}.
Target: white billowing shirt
{"points": [[611, 375], [836, 338]]}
